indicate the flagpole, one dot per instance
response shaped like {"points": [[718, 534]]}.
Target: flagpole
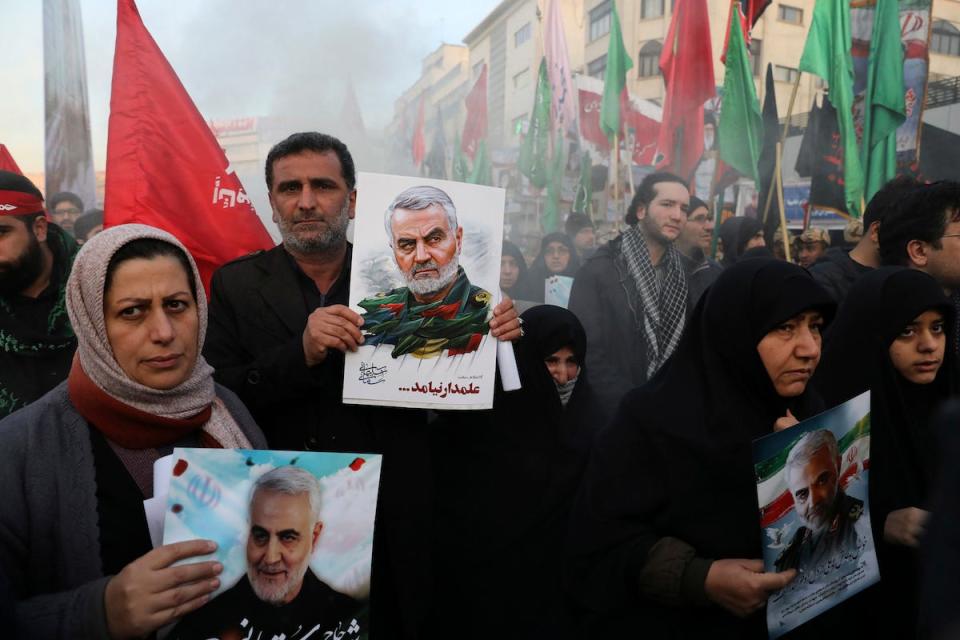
{"points": [[783, 214], [717, 210], [615, 166], [782, 143]]}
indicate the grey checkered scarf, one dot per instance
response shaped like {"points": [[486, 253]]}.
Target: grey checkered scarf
{"points": [[664, 307]]}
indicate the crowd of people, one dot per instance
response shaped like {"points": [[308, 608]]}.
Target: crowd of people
{"points": [[616, 504]]}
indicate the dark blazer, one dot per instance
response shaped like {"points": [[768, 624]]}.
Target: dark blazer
{"points": [[254, 341]]}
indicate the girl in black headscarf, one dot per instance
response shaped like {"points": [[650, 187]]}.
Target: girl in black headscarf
{"points": [[890, 336], [513, 271], [506, 482], [667, 523], [738, 235], [558, 257]]}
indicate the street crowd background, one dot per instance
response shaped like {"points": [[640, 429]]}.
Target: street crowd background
{"points": [[732, 189]]}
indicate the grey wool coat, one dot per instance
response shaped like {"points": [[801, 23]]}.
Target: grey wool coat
{"points": [[49, 534]]}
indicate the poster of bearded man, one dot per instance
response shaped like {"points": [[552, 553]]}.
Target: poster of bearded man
{"points": [[813, 490], [425, 279]]}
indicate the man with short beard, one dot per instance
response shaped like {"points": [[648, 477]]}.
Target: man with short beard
{"points": [[279, 594], [827, 514], [633, 295], [36, 340], [278, 330], [438, 311]]}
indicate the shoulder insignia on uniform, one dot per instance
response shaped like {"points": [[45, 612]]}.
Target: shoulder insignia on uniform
{"points": [[482, 297], [856, 511]]}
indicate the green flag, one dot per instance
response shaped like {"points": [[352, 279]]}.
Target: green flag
{"points": [[533, 151], [481, 166], [615, 78], [740, 134], [584, 194], [460, 170], [827, 54], [551, 211], [884, 109]]}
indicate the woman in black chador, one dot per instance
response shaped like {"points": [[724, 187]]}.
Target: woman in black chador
{"points": [[505, 485], [665, 534], [891, 336]]}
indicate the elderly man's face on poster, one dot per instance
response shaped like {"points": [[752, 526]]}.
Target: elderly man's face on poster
{"points": [[814, 489], [425, 248], [283, 534]]}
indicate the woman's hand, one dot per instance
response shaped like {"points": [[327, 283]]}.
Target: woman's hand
{"points": [[741, 586], [905, 526], [785, 422], [150, 593]]}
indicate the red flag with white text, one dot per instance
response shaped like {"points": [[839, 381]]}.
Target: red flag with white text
{"points": [[164, 166]]}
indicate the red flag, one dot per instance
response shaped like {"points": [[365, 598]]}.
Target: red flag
{"points": [[641, 135], [639, 130], [419, 145], [687, 67], [750, 12], [475, 127], [164, 166], [744, 27], [755, 9], [7, 163]]}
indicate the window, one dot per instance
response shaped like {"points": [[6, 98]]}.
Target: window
{"points": [[651, 9], [521, 35], [785, 74], [521, 79], [648, 63], [600, 20], [598, 67], [756, 47], [945, 38], [792, 15]]}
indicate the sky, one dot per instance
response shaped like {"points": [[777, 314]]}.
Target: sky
{"points": [[238, 58]]}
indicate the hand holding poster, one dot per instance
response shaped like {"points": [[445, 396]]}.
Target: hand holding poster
{"points": [[425, 261], [812, 484], [294, 532]]}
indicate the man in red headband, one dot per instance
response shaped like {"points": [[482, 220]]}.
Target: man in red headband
{"points": [[36, 341]]}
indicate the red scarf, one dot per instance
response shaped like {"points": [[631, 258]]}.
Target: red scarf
{"points": [[127, 426]]}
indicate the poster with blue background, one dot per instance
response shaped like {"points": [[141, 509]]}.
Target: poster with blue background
{"points": [[294, 532]]}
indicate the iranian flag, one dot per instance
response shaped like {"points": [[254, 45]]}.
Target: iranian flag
{"points": [[774, 494]]}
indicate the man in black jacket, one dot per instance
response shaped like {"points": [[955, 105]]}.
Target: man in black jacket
{"points": [[633, 295], [838, 269], [36, 340], [278, 330]]}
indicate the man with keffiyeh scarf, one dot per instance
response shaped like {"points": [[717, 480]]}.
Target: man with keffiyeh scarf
{"points": [[36, 341], [633, 295]]}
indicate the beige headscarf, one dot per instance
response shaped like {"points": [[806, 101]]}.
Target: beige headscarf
{"points": [[85, 290]]}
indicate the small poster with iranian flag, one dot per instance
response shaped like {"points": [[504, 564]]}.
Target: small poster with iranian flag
{"points": [[812, 482]]}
